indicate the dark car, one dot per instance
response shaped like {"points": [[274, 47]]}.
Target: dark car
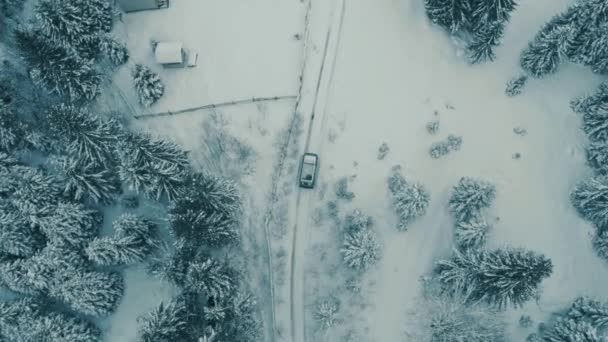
{"points": [[308, 170]]}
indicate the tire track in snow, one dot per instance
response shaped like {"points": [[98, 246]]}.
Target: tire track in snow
{"points": [[324, 80]]}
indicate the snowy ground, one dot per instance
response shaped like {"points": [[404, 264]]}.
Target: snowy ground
{"points": [[392, 72]]}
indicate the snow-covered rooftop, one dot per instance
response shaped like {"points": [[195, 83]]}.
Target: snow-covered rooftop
{"points": [[169, 52]]}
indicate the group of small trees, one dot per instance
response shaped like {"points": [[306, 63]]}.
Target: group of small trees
{"points": [[590, 196], [361, 248], [410, 200], [586, 320], [578, 35], [469, 197], [480, 22]]}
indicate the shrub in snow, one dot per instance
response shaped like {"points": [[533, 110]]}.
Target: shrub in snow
{"points": [[590, 199], [525, 321], [87, 180], [432, 127], [148, 85], [342, 189], [534, 337], [167, 322], [361, 249], [327, 313], [443, 148], [130, 201], [472, 232], [333, 211], [600, 243], [208, 213], [116, 52], [470, 196], [515, 85], [210, 278], [357, 220], [383, 151], [501, 277], [597, 157], [90, 293], [410, 200], [58, 68]]}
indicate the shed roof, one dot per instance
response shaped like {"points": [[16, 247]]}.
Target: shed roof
{"points": [[168, 52]]}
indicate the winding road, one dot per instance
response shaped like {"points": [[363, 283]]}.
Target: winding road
{"points": [[326, 26]]}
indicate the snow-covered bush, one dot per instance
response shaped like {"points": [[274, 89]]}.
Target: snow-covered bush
{"points": [[472, 232], [357, 220], [515, 85], [432, 127], [501, 277], [361, 249], [590, 199], [410, 200], [116, 52], [470, 196], [342, 189], [208, 213], [148, 85], [165, 323], [443, 148], [327, 313], [600, 243], [383, 151], [90, 293], [597, 157], [525, 321]]}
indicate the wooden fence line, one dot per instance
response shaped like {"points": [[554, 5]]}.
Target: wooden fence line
{"points": [[217, 105]]}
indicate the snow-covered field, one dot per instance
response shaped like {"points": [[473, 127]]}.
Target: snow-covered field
{"points": [[393, 72]]}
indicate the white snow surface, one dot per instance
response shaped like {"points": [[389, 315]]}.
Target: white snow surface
{"points": [[393, 70]]}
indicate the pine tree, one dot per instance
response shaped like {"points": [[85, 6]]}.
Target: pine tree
{"points": [[87, 137], [166, 323], [26, 276], [17, 238], [154, 167], [485, 39], [11, 130], [133, 240], [593, 311], [70, 223], [472, 232], [148, 85], [87, 180], [542, 56], [327, 312], [208, 212], [357, 220], [597, 157], [116, 52], [595, 122], [502, 277], [210, 278], [361, 249], [91, 293], [590, 199], [600, 243], [57, 67], [452, 15], [59, 327], [490, 11], [410, 200], [235, 318], [470, 196], [171, 262], [570, 330]]}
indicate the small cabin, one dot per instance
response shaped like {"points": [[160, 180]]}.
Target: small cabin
{"points": [[173, 54], [142, 5]]}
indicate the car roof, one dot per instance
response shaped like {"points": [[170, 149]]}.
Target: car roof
{"points": [[310, 158]]}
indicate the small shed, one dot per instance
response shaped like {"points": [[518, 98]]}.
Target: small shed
{"points": [[141, 5], [169, 53]]}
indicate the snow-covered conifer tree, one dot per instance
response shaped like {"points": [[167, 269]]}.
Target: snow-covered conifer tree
{"points": [[86, 136], [11, 131], [357, 220], [410, 200], [471, 232], [17, 238], [208, 212], [154, 167], [90, 293], [88, 180], [597, 156], [484, 40], [515, 85], [166, 323], [590, 198], [70, 223], [501, 277], [148, 85], [542, 56], [470, 196], [327, 312], [571, 330], [361, 249], [210, 278], [115, 51], [452, 15], [490, 11], [26, 276], [170, 263], [57, 67], [600, 243]]}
